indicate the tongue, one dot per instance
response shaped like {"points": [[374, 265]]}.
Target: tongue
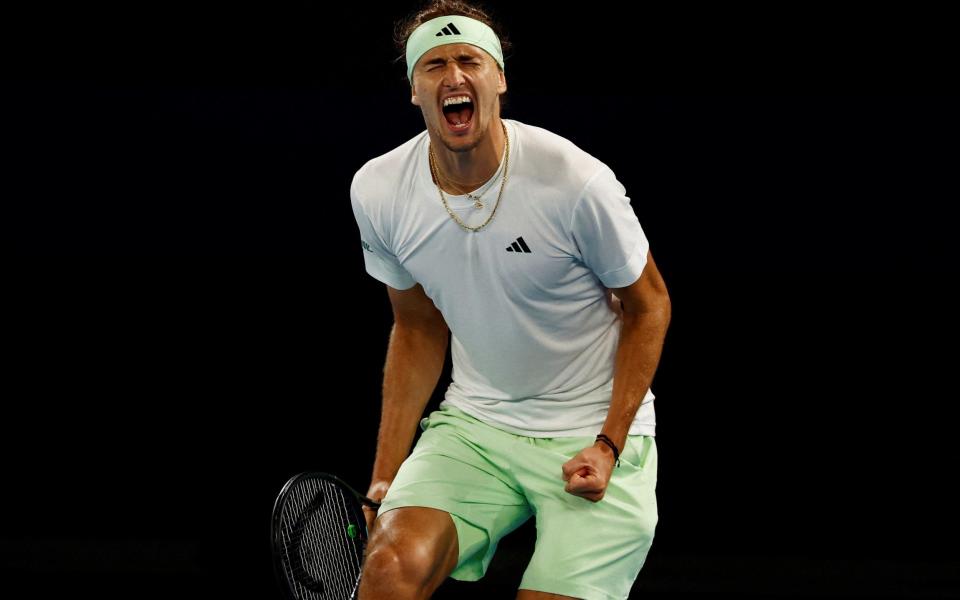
{"points": [[461, 116]]}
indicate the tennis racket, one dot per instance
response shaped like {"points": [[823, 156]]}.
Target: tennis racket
{"points": [[319, 534]]}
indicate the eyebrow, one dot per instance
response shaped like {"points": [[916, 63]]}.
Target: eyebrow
{"points": [[439, 60]]}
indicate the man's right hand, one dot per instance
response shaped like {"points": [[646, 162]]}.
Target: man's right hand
{"points": [[378, 489]]}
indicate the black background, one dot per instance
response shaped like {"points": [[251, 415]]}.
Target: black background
{"points": [[191, 323]]}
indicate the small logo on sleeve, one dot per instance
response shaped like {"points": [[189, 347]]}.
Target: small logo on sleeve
{"points": [[366, 246]]}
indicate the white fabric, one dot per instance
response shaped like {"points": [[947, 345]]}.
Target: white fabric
{"points": [[533, 335]]}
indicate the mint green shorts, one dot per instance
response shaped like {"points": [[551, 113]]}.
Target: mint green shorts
{"points": [[491, 482]]}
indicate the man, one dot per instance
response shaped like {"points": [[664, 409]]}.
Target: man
{"points": [[526, 250]]}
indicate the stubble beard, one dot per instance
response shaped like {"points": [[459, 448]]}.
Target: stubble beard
{"points": [[478, 137]]}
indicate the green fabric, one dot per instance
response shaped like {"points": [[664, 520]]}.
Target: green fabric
{"points": [[438, 32], [491, 482]]}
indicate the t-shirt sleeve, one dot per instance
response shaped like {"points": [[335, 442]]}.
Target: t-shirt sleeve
{"points": [[607, 232], [380, 262]]}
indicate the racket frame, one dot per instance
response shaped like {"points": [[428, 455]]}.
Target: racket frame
{"points": [[275, 531]]}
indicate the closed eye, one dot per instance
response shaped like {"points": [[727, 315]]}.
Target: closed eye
{"points": [[472, 63], [464, 59]]}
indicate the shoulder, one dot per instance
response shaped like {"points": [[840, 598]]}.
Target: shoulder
{"points": [[558, 157], [379, 176]]}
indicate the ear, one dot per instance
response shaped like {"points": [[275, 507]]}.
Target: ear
{"points": [[502, 82], [413, 96]]}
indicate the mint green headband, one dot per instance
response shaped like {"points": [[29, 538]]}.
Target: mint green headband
{"points": [[452, 29]]}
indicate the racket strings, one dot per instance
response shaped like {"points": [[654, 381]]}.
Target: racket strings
{"points": [[338, 564], [317, 547], [349, 552], [292, 534]]}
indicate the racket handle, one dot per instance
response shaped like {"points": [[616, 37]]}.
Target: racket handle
{"points": [[370, 503]]}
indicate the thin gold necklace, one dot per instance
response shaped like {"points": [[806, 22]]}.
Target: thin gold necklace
{"points": [[477, 202], [434, 170]]}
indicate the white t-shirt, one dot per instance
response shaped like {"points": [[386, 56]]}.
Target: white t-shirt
{"points": [[533, 334]]}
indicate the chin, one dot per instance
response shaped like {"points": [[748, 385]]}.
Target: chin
{"points": [[461, 143]]}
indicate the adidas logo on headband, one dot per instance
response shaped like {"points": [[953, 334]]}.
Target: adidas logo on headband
{"points": [[450, 29]]}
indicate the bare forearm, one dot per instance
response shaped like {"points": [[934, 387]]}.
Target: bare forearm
{"points": [[638, 353], [415, 358]]}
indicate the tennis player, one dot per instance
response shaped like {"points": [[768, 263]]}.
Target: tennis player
{"points": [[523, 250]]}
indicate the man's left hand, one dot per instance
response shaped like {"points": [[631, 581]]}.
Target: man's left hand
{"points": [[588, 473]]}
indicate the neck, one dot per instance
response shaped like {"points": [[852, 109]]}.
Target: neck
{"points": [[469, 169]]}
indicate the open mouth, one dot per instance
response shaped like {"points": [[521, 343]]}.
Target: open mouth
{"points": [[458, 112]]}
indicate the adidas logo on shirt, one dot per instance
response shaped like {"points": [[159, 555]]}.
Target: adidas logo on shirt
{"points": [[519, 246], [450, 29]]}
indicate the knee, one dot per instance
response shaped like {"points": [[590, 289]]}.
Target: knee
{"points": [[411, 552], [407, 564]]}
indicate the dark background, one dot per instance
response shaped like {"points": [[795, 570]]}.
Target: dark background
{"points": [[191, 323]]}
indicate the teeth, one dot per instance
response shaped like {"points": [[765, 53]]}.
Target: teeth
{"points": [[456, 100]]}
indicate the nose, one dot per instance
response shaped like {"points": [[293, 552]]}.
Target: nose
{"points": [[452, 74]]}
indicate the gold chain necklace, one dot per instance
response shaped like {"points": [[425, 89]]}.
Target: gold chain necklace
{"points": [[477, 203], [435, 171]]}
